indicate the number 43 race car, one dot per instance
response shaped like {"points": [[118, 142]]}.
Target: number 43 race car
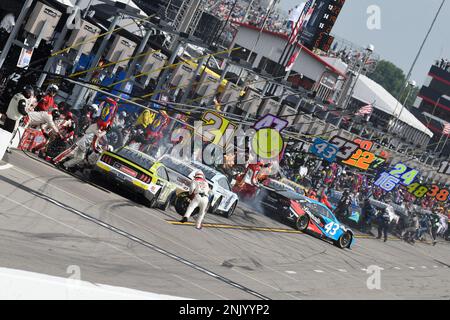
{"points": [[306, 215]]}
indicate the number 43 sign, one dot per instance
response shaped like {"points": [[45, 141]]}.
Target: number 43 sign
{"points": [[324, 150]]}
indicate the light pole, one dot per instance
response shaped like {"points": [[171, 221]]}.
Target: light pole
{"points": [[369, 50], [412, 85]]}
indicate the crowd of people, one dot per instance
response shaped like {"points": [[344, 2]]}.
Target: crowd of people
{"points": [[73, 136], [275, 22], [357, 191]]}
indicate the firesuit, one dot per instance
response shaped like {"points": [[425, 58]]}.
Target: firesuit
{"points": [[17, 108], [247, 182], [199, 191], [79, 151], [48, 101], [43, 118]]}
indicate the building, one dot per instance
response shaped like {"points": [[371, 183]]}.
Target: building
{"points": [[310, 71], [433, 106]]}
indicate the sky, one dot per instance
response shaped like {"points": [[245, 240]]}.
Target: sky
{"points": [[403, 26]]}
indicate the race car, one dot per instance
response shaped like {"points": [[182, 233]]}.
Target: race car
{"points": [[306, 215], [135, 171], [223, 202]]}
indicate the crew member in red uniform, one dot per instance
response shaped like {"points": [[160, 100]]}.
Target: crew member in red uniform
{"points": [[47, 103], [247, 183]]}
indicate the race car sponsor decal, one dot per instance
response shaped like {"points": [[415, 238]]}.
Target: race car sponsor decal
{"points": [[153, 188]]}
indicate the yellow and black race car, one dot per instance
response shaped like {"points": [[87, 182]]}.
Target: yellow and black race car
{"points": [[138, 172]]}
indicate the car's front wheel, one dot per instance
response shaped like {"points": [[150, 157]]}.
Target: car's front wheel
{"points": [[169, 201], [302, 223], [154, 201], [344, 240], [230, 212]]}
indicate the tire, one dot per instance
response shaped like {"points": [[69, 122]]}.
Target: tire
{"points": [[215, 207], [230, 212], [182, 202], [302, 223], [344, 240], [115, 138], [154, 201], [168, 202]]}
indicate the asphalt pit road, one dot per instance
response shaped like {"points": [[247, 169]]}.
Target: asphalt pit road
{"points": [[246, 264]]}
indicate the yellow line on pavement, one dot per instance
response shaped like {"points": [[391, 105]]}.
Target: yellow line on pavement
{"points": [[262, 229], [229, 226]]}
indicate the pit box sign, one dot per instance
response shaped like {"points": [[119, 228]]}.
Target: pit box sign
{"points": [[216, 127], [267, 141], [325, 150], [444, 168], [351, 153], [434, 191], [400, 173]]}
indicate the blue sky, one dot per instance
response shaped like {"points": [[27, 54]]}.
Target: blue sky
{"points": [[404, 24]]}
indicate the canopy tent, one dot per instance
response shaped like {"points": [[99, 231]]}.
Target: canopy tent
{"points": [[84, 4], [370, 92]]}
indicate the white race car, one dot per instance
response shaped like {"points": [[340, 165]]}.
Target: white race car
{"points": [[182, 172]]}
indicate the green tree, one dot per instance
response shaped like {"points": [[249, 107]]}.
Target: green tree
{"points": [[392, 78]]}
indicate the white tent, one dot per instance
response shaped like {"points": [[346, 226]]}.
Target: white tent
{"points": [[369, 91], [68, 3], [84, 3]]}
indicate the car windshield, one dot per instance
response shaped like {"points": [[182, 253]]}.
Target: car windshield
{"points": [[176, 166], [318, 210], [139, 158], [277, 185]]}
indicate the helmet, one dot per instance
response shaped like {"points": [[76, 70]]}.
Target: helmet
{"points": [[69, 115], [123, 114], [93, 108], [56, 114], [52, 89], [28, 91], [199, 174]]}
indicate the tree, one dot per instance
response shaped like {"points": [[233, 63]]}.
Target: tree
{"points": [[392, 78]]}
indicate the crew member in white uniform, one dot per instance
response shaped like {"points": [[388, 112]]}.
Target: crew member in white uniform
{"points": [[79, 150], [199, 191], [18, 107], [44, 119]]}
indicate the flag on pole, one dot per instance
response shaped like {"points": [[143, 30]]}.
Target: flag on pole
{"points": [[291, 61], [446, 129], [368, 109], [304, 16]]}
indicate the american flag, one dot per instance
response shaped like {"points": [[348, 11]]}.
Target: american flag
{"points": [[304, 16], [291, 61], [446, 129], [368, 109]]}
